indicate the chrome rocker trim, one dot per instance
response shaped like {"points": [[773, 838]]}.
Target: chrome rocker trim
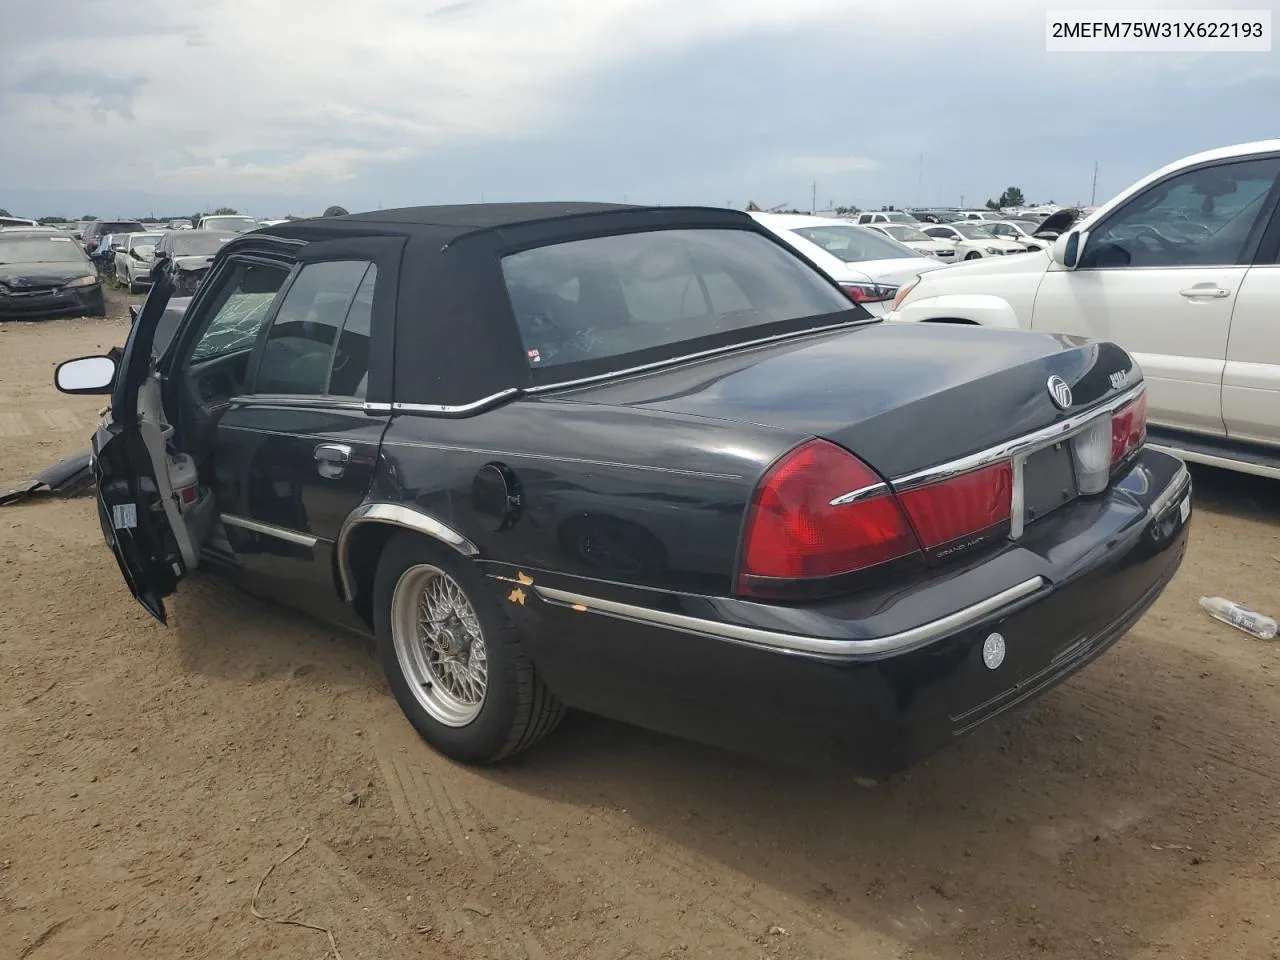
{"points": [[400, 516], [876, 648], [270, 530]]}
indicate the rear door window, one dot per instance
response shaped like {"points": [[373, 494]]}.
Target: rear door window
{"points": [[308, 340]]}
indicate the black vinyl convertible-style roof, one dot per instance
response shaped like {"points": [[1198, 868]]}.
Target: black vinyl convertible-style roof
{"points": [[456, 340]]}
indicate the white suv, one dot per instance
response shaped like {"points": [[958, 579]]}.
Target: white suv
{"points": [[1182, 269]]}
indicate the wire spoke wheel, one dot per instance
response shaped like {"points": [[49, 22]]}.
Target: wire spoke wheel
{"points": [[440, 645]]}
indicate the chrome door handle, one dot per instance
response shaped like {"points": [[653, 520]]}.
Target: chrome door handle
{"points": [[1204, 292], [331, 460]]}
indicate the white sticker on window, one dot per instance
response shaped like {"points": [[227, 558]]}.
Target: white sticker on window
{"points": [[61, 239], [124, 516]]}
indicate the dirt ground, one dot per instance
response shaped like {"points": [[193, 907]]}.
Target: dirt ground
{"points": [[149, 777]]}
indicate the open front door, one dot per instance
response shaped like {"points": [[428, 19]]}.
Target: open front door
{"points": [[144, 521]]}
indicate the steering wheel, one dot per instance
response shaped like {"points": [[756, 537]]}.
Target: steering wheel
{"points": [[1147, 230]]}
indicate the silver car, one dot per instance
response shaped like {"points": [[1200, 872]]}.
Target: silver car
{"points": [[135, 256]]}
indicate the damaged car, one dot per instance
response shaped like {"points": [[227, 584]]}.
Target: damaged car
{"points": [[43, 274], [646, 462], [184, 256], [135, 256]]}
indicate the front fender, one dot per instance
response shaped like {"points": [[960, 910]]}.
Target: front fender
{"points": [[979, 308]]}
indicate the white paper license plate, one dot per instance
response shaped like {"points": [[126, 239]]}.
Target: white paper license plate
{"points": [[1184, 508], [124, 516]]}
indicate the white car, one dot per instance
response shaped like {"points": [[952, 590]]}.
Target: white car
{"points": [[21, 223], [233, 223], [135, 256], [917, 240], [886, 216], [973, 240], [1182, 269], [869, 266], [1019, 231]]}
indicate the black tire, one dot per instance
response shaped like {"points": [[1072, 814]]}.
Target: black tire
{"points": [[973, 255], [518, 708]]}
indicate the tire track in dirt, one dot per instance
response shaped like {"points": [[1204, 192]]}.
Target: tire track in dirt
{"points": [[13, 425], [58, 419], [435, 816], [657, 884]]}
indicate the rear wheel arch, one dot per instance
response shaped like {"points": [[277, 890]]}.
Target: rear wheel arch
{"points": [[365, 535]]}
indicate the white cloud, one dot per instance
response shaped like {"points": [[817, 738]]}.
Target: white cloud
{"points": [[828, 166], [303, 92], [288, 97]]}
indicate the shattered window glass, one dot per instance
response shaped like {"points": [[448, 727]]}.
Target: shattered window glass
{"points": [[243, 310]]}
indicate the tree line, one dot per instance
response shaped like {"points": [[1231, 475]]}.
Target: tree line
{"points": [[89, 217]]}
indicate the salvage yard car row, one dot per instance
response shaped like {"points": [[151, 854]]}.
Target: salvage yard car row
{"points": [[664, 464], [645, 462]]}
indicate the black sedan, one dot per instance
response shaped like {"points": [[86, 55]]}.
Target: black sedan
{"points": [[42, 274], [645, 462]]}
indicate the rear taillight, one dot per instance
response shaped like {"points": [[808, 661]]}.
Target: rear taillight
{"points": [[803, 528], [795, 533], [1092, 455], [962, 507], [868, 292], [1128, 428], [906, 288], [1107, 441]]}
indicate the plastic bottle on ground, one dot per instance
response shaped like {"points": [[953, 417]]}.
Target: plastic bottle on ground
{"points": [[1240, 617]]}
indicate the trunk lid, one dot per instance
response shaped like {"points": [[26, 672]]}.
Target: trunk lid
{"points": [[895, 273], [903, 397]]}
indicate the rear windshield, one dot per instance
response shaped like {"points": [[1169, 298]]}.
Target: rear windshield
{"points": [[655, 295], [194, 243], [40, 250], [853, 244], [975, 230], [905, 234], [238, 224]]}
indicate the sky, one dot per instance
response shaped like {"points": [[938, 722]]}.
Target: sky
{"points": [[137, 107]]}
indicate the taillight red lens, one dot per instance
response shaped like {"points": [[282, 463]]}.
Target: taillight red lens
{"points": [[868, 292], [962, 506], [1128, 428], [793, 531]]}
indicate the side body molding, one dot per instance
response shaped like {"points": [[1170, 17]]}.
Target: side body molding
{"points": [[398, 515]]}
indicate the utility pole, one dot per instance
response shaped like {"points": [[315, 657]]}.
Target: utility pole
{"points": [[813, 199], [920, 183], [1093, 194], [962, 201]]}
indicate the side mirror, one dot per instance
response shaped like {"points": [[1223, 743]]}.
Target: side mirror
{"points": [[1067, 248], [162, 254], [86, 375], [133, 313]]}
